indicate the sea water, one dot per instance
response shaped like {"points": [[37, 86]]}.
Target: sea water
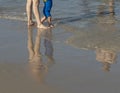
{"points": [[62, 9], [12, 9]]}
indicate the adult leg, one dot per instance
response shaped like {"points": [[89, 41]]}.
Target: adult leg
{"points": [[37, 14], [29, 12]]}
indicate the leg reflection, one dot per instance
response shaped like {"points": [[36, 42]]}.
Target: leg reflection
{"points": [[49, 47], [106, 57], [36, 67]]}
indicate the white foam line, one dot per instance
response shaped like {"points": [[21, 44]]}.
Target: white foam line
{"points": [[14, 18]]}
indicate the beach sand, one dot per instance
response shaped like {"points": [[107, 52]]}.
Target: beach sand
{"points": [[57, 64]]}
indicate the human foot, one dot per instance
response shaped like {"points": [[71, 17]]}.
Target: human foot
{"points": [[31, 23], [51, 25], [42, 26]]}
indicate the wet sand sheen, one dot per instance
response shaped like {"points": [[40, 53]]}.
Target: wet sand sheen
{"points": [[73, 71]]}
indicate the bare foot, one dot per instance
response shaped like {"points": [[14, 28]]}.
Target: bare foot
{"points": [[42, 26], [31, 23], [51, 25]]}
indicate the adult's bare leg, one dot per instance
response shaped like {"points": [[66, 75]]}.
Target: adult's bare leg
{"points": [[37, 14], [29, 12]]}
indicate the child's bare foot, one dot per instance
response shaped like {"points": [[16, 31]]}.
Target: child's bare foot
{"points": [[51, 25], [42, 26]]}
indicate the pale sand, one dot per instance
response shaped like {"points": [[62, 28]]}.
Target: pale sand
{"points": [[65, 70]]}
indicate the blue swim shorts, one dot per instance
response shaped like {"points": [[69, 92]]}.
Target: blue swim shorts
{"points": [[47, 8]]}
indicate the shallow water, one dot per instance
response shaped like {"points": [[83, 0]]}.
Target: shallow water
{"points": [[80, 55], [62, 10]]}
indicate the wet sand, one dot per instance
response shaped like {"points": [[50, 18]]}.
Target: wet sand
{"points": [[56, 61]]}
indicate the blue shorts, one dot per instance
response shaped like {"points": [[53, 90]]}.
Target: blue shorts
{"points": [[47, 8]]}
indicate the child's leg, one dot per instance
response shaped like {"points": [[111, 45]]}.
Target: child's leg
{"points": [[43, 19], [49, 19], [44, 12], [47, 10]]}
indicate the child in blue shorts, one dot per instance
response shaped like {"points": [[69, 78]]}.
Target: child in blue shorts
{"points": [[46, 11]]}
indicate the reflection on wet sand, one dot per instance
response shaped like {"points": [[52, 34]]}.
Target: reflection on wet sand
{"points": [[102, 37], [101, 12], [106, 57], [48, 46], [106, 4], [111, 7], [37, 68]]}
